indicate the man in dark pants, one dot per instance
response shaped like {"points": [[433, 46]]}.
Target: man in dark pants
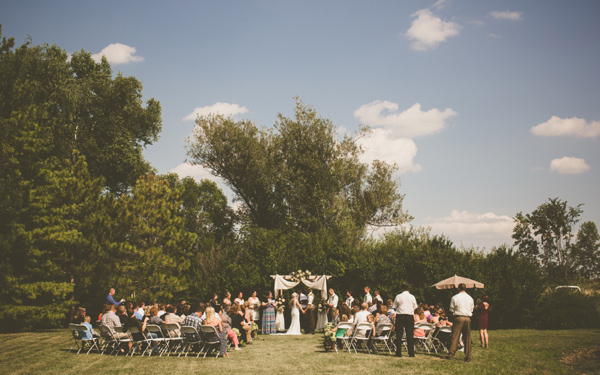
{"points": [[461, 306], [405, 305]]}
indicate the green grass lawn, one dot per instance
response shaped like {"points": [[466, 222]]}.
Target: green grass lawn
{"points": [[511, 352]]}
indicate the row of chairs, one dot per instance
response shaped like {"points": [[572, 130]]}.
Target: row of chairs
{"points": [[386, 338], [175, 339]]}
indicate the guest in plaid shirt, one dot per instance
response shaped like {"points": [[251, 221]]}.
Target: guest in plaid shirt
{"points": [[194, 319]]}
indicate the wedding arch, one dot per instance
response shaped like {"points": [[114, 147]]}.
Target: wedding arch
{"points": [[315, 282]]}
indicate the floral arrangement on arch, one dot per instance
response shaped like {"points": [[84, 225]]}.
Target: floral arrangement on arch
{"points": [[280, 304], [299, 275], [321, 306]]}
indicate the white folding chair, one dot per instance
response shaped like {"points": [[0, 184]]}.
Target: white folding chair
{"points": [[211, 339], [191, 337], [75, 335], [385, 332], [425, 341], [123, 341], [138, 339], [341, 334], [173, 331], [160, 340], [86, 338], [362, 333], [110, 341], [439, 343]]}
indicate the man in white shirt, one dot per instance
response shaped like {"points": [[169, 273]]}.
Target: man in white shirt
{"points": [[310, 312], [404, 306], [139, 312], [377, 297], [362, 317], [461, 306], [349, 299], [332, 301], [367, 299]]}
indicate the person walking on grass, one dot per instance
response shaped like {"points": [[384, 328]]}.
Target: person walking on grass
{"points": [[461, 306]]}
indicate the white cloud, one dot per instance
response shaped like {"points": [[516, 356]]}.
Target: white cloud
{"points": [[118, 53], [465, 225], [494, 36], [575, 127], [427, 31], [380, 144], [406, 124], [569, 165], [225, 109], [506, 15], [439, 4]]}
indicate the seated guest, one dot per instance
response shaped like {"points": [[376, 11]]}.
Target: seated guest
{"points": [[390, 309], [139, 312], [85, 335], [363, 316], [162, 310], [426, 312], [213, 320], [335, 316], [443, 320], [435, 317], [193, 319], [237, 321], [226, 323], [111, 320], [381, 317], [171, 318], [419, 318], [154, 319], [79, 316], [122, 314]]}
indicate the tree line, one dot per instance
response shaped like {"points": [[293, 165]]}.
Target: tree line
{"points": [[82, 210]]}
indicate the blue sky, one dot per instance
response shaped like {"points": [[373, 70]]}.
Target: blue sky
{"points": [[488, 107]]}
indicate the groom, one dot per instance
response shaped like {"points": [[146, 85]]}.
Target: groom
{"points": [[310, 312]]}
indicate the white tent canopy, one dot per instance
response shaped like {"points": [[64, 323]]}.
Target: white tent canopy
{"points": [[317, 282]]}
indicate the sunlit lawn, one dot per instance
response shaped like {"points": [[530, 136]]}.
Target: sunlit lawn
{"points": [[511, 352]]}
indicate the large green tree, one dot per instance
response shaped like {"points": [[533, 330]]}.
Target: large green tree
{"points": [[298, 175], [546, 235]]}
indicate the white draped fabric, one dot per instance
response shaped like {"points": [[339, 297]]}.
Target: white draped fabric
{"points": [[314, 282]]}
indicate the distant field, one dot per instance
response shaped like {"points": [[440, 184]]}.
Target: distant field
{"points": [[511, 352]]}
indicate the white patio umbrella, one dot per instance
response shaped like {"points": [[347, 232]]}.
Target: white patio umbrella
{"points": [[452, 282]]}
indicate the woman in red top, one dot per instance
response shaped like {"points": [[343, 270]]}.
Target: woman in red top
{"points": [[482, 320]]}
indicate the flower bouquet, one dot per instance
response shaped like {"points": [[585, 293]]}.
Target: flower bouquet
{"points": [[329, 337]]}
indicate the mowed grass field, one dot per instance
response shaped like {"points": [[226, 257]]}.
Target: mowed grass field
{"points": [[510, 352]]}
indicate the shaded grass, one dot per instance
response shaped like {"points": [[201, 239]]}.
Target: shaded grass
{"points": [[512, 351]]}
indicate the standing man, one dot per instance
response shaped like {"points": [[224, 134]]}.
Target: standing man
{"points": [[461, 306], [404, 306], [310, 312], [349, 299], [332, 301], [110, 300], [367, 299], [377, 297]]}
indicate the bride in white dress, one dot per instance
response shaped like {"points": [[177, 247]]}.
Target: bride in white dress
{"points": [[296, 308]]}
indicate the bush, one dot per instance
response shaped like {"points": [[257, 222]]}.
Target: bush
{"points": [[565, 309], [26, 318]]}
